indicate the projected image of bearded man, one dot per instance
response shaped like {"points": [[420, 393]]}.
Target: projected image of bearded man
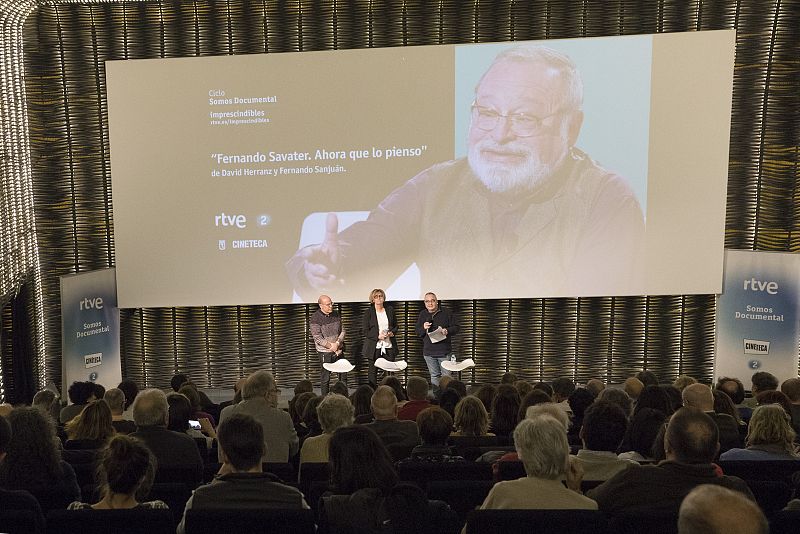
{"points": [[526, 213]]}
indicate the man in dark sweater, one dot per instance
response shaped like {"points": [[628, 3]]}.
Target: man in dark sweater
{"points": [[436, 326], [691, 444], [241, 484]]}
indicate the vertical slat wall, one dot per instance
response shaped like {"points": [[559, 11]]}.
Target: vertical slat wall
{"points": [[66, 43]]}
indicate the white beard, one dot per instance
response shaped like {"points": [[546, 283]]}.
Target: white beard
{"points": [[500, 178]]}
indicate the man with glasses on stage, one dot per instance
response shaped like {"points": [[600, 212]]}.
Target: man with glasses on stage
{"points": [[326, 329]]}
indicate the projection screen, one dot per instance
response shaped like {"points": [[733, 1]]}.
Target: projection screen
{"points": [[558, 168]]}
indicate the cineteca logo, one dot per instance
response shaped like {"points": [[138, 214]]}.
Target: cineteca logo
{"points": [[756, 346]]}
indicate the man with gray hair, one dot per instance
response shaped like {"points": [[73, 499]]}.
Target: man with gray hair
{"points": [[539, 213], [115, 398], [394, 433], [260, 400], [710, 509], [542, 446], [175, 451], [701, 397]]}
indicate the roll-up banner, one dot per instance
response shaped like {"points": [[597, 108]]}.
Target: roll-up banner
{"points": [[90, 329], [757, 315]]}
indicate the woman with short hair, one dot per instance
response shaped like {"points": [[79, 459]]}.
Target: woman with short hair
{"points": [[379, 327], [471, 418], [334, 412]]}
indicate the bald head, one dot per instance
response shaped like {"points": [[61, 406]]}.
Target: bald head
{"points": [[698, 396], [384, 403], [633, 387], [595, 386], [712, 509], [692, 437]]}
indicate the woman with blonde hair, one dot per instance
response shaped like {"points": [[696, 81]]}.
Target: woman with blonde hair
{"points": [[379, 326], [769, 437], [471, 418], [92, 428]]}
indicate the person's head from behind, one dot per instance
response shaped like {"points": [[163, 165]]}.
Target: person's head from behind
{"points": [[724, 404], [361, 398], [241, 442], [579, 401], [300, 405], [303, 386], [771, 425], [32, 453], [691, 437], [712, 509], [633, 387], [618, 397], [334, 411], [595, 385], [43, 400], [551, 410], [261, 385], [643, 431], [131, 390], [774, 397], [417, 388], [115, 398], [544, 386], [126, 466], [505, 409], [80, 392], [340, 388], [791, 388], [93, 423], [542, 446], [523, 387], [394, 383], [435, 426], [310, 417], [384, 403], [180, 412], [150, 408], [656, 397], [508, 378], [191, 393], [763, 381], [458, 386], [526, 116], [604, 426], [486, 395], [683, 380], [534, 397], [358, 459], [471, 417], [698, 396], [648, 378], [178, 381], [562, 388], [733, 387], [448, 400]]}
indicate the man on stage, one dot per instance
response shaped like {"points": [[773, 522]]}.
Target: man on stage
{"points": [[436, 326], [529, 208], [326, 329]]}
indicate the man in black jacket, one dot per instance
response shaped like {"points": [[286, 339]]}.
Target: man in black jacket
{"points": [[436, 326]]}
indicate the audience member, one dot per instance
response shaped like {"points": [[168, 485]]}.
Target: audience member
{"points": [[699, 396], [618, 397], [444, 381], [534, 397], [33, 462], [115, 398], [647, 378], [44, 400], [394, 383], [562, 389], [523, 388], [435, 426], [299, 408], [237, 395], [92, 428], [189, 390], [417, 390], [80, 394], [675, 397], [683, 380], [459, 387], [551, 410], [310, 419], [710, 509], [505, 411], [180, 415], [734, 388], [724, 404], [691, 444], [19, 499], [126, 468], [340, 388], [579, 401], [486, 393], [641, 435], [334, 411], [259, 400], [173, 451], [508, 378], [604, 426], [633, 387], [471, 418], [541, 445], [656, 398], [180, 380], [393, 433], [770, 436], [241, 484], [448, 399], [131, 390], [791, 388], [362, 410], [544, 386], [595, 386], [774, 397], [761, 381]]}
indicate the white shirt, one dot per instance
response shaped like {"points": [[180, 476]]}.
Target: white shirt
{"points": [[383, 326]]}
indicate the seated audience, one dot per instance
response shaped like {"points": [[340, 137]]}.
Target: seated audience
{"points": [[595, 386], [471, 418], [770, 436], [562, 389], [131, 390], [334, 411], [180, 413], [643, 430], [505, 411], [541, 445], [19, 499], [699, 396], [392, 432], [241, 483], [508, 378], [310, 421], [774, 397], [654, 397], [633, 387], [534, 397], [299, 409], [682, 381], [340, 388], [579, 401], [448, 398], [260, 400], [33, 461], [604, 426], [675, 396], [648, 378], [361, 397], [791, 388], [92, 428], [523, 388], [417, 391], [44, 401], [618, 397], [691, 444], [174, 451], [710, 509], [485, 394], [734, 388], [545, 408], [394, 383], [435, 426], [544, 386], [180, 380], [189, 390], [115, 398], [80, 393], [126, 467], [459, 387], [761, 381]]}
